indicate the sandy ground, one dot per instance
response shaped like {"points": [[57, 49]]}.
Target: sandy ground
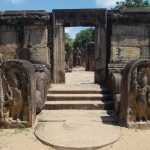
{"points": [[24, 139]]}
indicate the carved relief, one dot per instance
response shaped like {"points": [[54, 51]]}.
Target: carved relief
{"points": [[139, 94], [18, 83], [135, 94], [42, 74]]}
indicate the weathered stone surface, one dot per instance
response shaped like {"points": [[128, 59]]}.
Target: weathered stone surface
{"points": [[18, 103], [77, 129], [145, 52], [7, 28], [43, 80], [39, 54], [9, 51], [124, 53], [130, 41], [35, 36], [8, 37], [130, 30], [135, 94]]}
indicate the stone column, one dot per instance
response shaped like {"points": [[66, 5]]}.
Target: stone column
{"points": [[58, 54], [100, 54]]}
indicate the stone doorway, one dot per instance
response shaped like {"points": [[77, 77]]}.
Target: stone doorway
{"points": [[79, 52], [79, 17]]}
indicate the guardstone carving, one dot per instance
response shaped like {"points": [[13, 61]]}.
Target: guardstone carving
{"points": [[135, 94], [43, 80], [18, 105]]}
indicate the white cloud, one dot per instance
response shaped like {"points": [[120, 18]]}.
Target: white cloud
{"points": [[106, 3], [72, 31], [16, 2]]}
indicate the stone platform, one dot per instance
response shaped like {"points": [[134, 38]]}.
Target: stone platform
{"points": [[77, 129]]}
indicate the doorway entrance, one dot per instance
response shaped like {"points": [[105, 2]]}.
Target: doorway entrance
{"points": [[79, 54], [79, 17]]}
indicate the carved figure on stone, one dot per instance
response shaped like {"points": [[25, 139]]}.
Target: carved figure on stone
{"points": [[135, 94], [13, 100], [19, 105], [142, 100]]}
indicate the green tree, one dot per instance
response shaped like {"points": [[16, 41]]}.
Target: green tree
{"points": [[68, 40], [83, 38], [132, 4]]}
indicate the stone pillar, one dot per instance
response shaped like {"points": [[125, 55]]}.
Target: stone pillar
{"points": [[58, 54], [100, 54]]}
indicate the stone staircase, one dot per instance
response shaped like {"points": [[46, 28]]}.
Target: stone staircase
{"points": [[78, 115], [82, 97]]}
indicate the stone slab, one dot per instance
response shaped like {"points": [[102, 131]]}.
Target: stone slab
{"points": [[8, 37], [64, 115], [130, 41], [124, 53], [61, 97], [75, 133], [35, 36], [128, 30], [145, 52], [84, 105]]}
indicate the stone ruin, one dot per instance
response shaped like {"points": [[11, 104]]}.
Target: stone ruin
{"points": [[32, 47], [25, 69]]}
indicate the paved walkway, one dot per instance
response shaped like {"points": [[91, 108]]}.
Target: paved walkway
{"points": [[80, 76]]}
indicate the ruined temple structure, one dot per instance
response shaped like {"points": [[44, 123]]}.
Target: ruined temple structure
{"points": [[33, 56]]}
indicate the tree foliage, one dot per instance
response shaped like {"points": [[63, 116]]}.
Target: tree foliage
{"points": [[68, 40], [132, 4], [83, 38]]}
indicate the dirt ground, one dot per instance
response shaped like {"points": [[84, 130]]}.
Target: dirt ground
{"points": [[24, 139]]}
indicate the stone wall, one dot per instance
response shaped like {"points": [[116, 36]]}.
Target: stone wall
{"points": [[129, 42], [35, 40], [8, 41], [24, 35]]}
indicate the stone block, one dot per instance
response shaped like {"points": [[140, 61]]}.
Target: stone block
{"points": [[43, 55], [39, 54], [145, 52], [8, 37], [129, 41], [128, 30], [8, 51], [124, 53], [35, 36], [7, 28]]}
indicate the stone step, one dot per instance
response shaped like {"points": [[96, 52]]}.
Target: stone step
{"points": [[78, 91], [85, 105], [78, 97], [68, 114]]}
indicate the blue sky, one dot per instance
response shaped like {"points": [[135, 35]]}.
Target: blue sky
{"points": [[54, 4]]}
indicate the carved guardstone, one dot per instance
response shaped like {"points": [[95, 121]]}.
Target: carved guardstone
{"points": [[18, 105], [135, 94]]}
